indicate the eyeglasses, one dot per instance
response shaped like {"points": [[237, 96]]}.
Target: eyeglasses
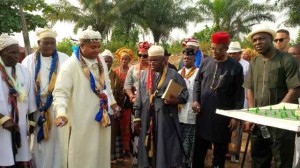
{"points": [[280, 40], [143, 55]]}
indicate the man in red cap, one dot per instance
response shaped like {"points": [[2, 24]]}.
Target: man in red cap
{"points": [[218, 84]]}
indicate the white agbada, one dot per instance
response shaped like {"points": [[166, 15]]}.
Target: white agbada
{"points": [[85, 143], [26, 107], [187, 115], [46, 153]]}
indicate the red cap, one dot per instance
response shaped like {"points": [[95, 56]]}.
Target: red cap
{"points": [[220, 38], [144, 46]]}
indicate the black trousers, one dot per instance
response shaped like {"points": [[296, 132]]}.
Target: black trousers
{"points": [[200, 149], [263, 151]]}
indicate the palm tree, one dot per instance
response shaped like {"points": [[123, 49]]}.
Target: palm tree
{"points": [[292, 7], [234, 16], [95, 13], [161, 16]]}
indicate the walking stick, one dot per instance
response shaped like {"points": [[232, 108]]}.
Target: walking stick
{"points": [[246, 148]]}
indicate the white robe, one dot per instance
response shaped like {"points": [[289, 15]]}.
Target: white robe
{"points": [[25, 107], [46, 153], [86, 143]]}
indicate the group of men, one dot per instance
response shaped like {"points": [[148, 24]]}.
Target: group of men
{"points": [[51, 90]]}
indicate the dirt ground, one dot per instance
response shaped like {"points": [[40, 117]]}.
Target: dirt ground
{"points": [[126, 163]]}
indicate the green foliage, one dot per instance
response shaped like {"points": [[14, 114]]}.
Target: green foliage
{"points": [[65, 46], [292, 7], [205, 34], [234, 16], [161, 16], [126, 35], [10, 17], [298, 37]]}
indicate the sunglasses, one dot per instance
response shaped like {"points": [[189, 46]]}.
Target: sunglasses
{"points": [[143, 55], [280, 40]]}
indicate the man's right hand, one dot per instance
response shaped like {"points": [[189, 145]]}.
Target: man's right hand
{"points": [[137, 127], [196, 107], [10, 125], [61, 121]]}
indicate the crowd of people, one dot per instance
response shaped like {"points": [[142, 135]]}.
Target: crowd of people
{"points": [[81, 111]]}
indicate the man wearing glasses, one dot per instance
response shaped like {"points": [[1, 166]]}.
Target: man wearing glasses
{"points": [[282, 40]]}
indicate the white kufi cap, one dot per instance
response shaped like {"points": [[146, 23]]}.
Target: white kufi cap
{"points": [[6, 40], [156, 50]]}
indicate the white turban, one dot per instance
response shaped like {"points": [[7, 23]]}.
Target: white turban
{"points": [[90, 34], [156, 50], [6, 40], [107, 53], [43, 33]]}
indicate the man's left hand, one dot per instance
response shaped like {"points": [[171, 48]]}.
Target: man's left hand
{"points": [[233, 124], [117, 110]]}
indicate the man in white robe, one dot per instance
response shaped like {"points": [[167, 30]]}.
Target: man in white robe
{"points": [[46, 151], [79, 89], [16, 102]]}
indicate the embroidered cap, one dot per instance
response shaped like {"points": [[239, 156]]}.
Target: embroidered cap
{"points": [[46, 32], [107, 53], [220, 38], [124, 51], [6, 40], [156, 50], [90, 35]]}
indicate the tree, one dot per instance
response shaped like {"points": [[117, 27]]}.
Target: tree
{"points": [[11, 19], [92, 12], [235, 16], [161, 16], [298, 37], [65, 46], [292, 7]]}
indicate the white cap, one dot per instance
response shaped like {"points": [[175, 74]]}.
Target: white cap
{"points": [[234, 47], [156, 50], [261, 28], [6, 40], [90, 34]]}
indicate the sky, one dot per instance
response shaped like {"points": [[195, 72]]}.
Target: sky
{"points": [[65, 29]]}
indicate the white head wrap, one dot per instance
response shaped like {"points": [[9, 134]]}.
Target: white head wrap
{"points": [[6, 40], [46, 32], [107, 53]]}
